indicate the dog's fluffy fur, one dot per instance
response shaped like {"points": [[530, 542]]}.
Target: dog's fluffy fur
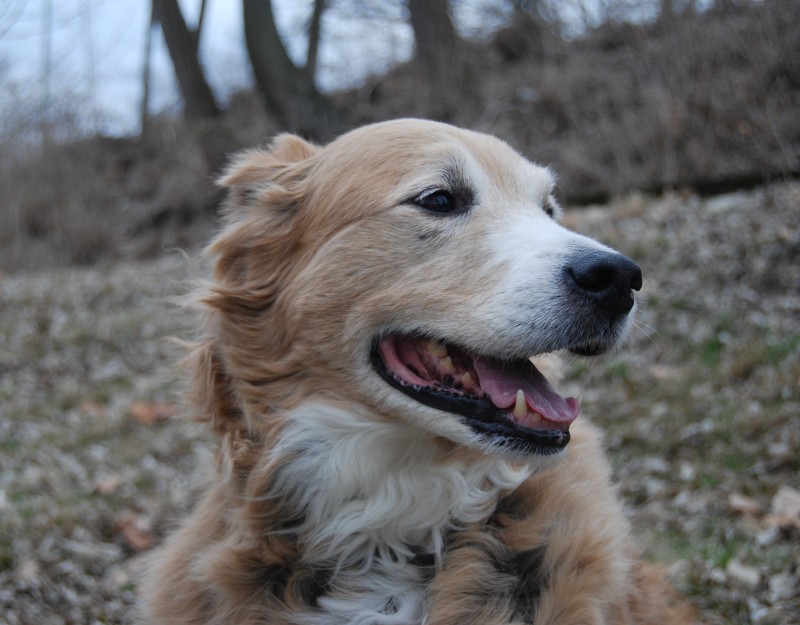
{"points": [[338, 498]]}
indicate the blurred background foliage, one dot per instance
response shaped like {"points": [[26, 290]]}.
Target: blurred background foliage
{"points": [[616, 95]]}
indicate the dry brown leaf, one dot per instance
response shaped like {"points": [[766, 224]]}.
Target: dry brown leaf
{"points": [[93, 409], [785, 508], [108, 485], [665, 373], [744, 504], [150, 413], [136, 531]]}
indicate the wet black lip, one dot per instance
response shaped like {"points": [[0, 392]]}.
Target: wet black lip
{"points": [[479, 413], [589, 350]]}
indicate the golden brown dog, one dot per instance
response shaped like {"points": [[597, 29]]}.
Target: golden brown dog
{"points": [[390, 453]]}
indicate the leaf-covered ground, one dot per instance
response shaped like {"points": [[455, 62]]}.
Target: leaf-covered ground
{"points": [[701, 410]]}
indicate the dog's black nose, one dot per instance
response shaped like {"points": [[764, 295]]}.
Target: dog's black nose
{"points": [[607, 279]]}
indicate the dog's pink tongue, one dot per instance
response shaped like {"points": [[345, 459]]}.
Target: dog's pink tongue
{"points": [[502, 386]]}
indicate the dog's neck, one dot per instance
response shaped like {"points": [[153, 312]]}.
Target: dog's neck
{"points": [[370, 490]]}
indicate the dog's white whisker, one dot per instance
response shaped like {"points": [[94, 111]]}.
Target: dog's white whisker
{"points": [[648, 331]]}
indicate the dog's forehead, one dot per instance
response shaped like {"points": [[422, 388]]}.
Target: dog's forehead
{"points": [[506, 168], [495, 167], [492, 162], [408, 156]]}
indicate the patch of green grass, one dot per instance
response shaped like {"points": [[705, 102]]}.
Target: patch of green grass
{"points": [[726, 322], [706, 481], [618, 371], [144, 482], [116, 384], [779, 556], [737, 462], [7, 561], [776, 352], [757, 354], [725, 423], [674, 544], [67, 401], [682, 303], [26, 512], [711, 351], [10, 445], [578, 370], [720, 552], [18, 497]]}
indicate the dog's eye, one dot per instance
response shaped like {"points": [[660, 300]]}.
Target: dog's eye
{"points": [[441, 202], [551, 207]]}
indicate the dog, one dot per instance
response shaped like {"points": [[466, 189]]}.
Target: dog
{"points": [[391, 451]]}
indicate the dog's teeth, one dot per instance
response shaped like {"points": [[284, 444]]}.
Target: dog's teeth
{"points": [[437, 349], [446, 364], [467, 379], [520, 406]]}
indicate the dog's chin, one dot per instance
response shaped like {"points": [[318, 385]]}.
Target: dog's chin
{"points": [[508, 404]]}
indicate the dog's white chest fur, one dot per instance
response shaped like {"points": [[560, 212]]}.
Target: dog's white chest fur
{"points": [[387, 594], [375, 495]]}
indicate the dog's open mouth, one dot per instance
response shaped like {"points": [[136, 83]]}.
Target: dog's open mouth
{"points": [[509, 402]]}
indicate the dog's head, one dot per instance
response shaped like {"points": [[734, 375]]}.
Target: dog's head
{"points": [[410, 270]]}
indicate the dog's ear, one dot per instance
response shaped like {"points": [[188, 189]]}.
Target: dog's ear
{"points": [[255, 167], [265, 189], [252, 255], [292, 148]]}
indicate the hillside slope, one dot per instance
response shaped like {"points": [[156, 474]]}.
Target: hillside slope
{"points": [[701, 410]]}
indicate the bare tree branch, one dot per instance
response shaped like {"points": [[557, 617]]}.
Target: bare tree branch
{"points": [[197, 97], [144, 106], [313, 37], [289, 90]]}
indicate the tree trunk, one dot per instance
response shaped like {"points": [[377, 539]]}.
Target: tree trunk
{"points": [[289, 91], [441, 57], [313, 38], [200, 19], [144, 105], [197, 97]]}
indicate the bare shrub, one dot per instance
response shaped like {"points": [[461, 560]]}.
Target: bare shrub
{"points": [[99, 198], [700, 100], [710, 97], [53, 207]]}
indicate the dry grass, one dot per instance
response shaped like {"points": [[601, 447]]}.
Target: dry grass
{"points": [[95, 199], [55, 208], [701, 410]]}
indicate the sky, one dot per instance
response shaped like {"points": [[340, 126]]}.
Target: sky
{"points": [[96, 52], [93, 52]]}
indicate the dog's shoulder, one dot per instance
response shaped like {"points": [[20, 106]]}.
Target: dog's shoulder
{"points": [[556, 550]]}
